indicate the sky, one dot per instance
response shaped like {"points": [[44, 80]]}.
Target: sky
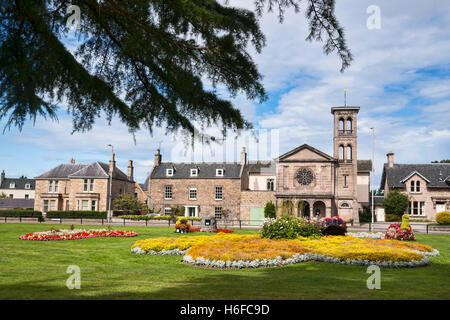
{"points": [[400, 78]]}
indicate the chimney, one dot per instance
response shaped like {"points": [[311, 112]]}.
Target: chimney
{"points": [[390, 159], [2, 177], [243, 157], [130, 170], [112, 163], [157, 158]]}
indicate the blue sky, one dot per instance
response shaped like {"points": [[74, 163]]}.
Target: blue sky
{"points": [[400, 78]]}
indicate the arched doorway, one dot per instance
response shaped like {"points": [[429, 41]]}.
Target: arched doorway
{"points": [[319, 209], [303, 209]]}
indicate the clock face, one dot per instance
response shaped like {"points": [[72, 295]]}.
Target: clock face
{"points": [[304, 176]]}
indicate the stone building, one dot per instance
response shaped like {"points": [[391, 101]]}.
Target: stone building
{"points": [[314, 183], [82, 186], [427, 186], [16, 188]]}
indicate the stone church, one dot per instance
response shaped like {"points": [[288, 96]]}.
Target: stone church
{"points": [[304, 181]]}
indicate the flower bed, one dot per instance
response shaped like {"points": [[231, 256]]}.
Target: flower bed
{"points": [[75, 234], [251, 251], [368, 235], [218, 230]]}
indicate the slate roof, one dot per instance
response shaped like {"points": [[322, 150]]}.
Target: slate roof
{"points": [[364, 165], [16, 203], [206, 170], [305, 146], [261, 167], [144, 186], [94, 170], [436, 173], [20, 183]]}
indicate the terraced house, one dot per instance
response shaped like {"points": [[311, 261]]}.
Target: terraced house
{"points": [[427, 186], [72, 186], [312, 183]]}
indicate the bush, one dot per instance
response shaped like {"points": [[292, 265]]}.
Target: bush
{"points": [[25, 213], [269, 210], [182, 225], [394, 231], [396, 203], [333, 226], [443, 217], [77, 214], [392, 218], [128, 203], [289, 228]]}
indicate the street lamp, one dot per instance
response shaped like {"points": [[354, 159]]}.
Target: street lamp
{"points": [[110, 187], [373, 172]]}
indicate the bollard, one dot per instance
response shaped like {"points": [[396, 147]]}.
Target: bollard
{"points": [[240, 225], [123, 221]]}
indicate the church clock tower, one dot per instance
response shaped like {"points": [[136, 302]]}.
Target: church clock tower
{"points": [[345, 153]]}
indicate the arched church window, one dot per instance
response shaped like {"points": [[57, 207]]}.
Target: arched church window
{"points": [[341, 125], [341, 152], [345, 205], [349, 152], [349, 125]]}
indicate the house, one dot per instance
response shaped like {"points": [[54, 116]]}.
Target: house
{"points": [[72, 186], [427, 186], [315, 183], [16, 188]]}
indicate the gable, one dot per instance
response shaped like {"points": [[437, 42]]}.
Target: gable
{"points": [[305, 153], [414, 174]]}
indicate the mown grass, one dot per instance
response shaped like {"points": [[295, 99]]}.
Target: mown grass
{"points": [[37, 270]]}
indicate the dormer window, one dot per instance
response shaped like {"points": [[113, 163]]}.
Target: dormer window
{"points": [[27, 186], [169, 172], [219, 172], [12, 185], [194, 172]]}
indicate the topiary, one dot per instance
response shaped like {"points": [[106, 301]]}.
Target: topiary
{"points": [[269, 210], [289, 228], [443, 217], [182, 225]]}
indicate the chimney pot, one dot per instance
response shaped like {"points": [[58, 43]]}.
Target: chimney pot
{"points": [[390, 159], [130, 170], [158, 158]]}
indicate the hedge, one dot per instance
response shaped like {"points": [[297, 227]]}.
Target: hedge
{"points": [[144, 217], [20, 213], [77, 214]]}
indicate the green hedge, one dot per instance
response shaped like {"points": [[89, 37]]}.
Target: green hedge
{"points": [[144, 217], [77, 214], [20, 213]]}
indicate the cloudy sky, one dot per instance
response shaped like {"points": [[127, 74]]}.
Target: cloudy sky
{"points": [[400, 78]]}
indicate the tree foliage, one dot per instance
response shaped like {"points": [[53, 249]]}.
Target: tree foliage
{"points": [[269, 210], [396, 203], [442, 161], [129, 203], [144, 61]]}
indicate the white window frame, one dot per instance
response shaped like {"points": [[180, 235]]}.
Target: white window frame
{"points": [[50, 186], [83, 207], [85, 185], [55, 186], [169, 172], [218, 212], [220, 172], [27, 196], [192, 189], [27, 186], [216, 192], [270, 185], [194, 172], [45, 205], [166, 192], [12, 185], [91, 185], [93, 205], [167, 211]]}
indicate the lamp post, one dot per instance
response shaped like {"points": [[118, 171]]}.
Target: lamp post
{"points": [[110, 187], [373, 172]]}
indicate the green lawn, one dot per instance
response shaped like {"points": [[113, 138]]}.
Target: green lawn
{"points": [[37, 270]]}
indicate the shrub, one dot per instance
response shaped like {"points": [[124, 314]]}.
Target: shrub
{"points": [[182, 225], [128, 203], [443, 217], [269, 210], [288, 228], [77, 214], [396, 203], [392, 218], [333, 226], [20, 213]]}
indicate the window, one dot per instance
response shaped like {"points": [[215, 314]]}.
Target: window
{"points": [[50, 186], [219, 172], [94, 205], [169, 172], [45, 206], [345, 205], [345, 181], [218, 193], [349, 125], [412, 186], [270, 184], [341, 125], [349, 152], [67, 205], [194, 172], [218, 212], [27, 196], [27, 186], [49, 205], [84, 204], [167, 211], [192, 193], [11, 196], [85, 185], [91, 185], [52, 205], [341, 152], [55, 186], [78, 204], [12, 185], [417, 186], [416, 208], [168, 193]]}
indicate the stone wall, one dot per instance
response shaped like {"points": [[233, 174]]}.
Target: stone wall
{"points": [[254, 199]]}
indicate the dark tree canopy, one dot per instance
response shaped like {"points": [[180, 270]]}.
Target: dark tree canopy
{"points": [[145, 61]]}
